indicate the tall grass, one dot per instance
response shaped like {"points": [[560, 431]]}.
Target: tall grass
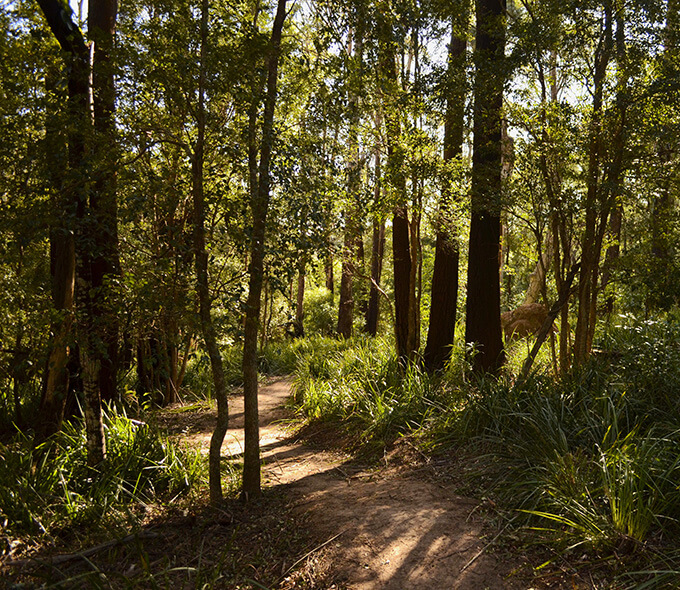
{"points": [[53, 487], [589, 460], [580, 456], [359, 382]]}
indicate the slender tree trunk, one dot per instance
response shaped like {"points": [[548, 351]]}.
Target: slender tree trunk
{"points": [[351, 213], [613, 252], [299, 328], [202, 286], [401, 248], [328, 270], [62, 270], [346, 304], [377, 251], [260, 206], [444, 292], [590, 255], [483, 324], [55, 389]]}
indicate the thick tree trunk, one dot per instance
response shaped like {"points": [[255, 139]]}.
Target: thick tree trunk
{"points": [[401, 258], [260, 206], [444, 292], [71, 40], [483, 323], [102, 16]]}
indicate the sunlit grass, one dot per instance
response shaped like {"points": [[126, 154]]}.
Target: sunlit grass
{"points": [[53, 486]]}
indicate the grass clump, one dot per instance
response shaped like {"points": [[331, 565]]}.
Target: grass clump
{"points": [[359, 383], [45, 491]]}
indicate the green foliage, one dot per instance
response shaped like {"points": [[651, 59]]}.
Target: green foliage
{"points": [[276, 358], [360, 383], [53, 487], [320, 312], [592, 457]]}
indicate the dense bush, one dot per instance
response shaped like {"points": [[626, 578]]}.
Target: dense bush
{"points": [[360, 382], [53, 486]]}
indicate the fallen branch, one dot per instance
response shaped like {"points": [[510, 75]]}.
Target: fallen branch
{"points": [[547, 324], [59, 559], [306, 555], [483, 549]]}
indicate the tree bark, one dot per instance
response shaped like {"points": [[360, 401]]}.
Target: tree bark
{"points": [[299, 328], [444, 291], [102, 16], [202, 286], [346, 303], [59, 18], [483, 323], [590, 255], [377, 251], [62, 270], [260, 206], [401, 248], [351, 233]]}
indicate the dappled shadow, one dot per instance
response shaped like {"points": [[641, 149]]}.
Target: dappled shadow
{"points": [[396, 533], [373, 529]]}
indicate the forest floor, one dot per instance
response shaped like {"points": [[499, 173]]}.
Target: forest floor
{"points": [[325, 521], [395, 525]]}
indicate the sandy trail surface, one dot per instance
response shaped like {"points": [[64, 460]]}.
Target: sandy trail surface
{"points": [[381, 528]]}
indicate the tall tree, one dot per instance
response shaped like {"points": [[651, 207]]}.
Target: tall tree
{"points": [[405, 311], [259, 203], [483, 324], [597, 204], [70, 38], [201, 266], [444, 290], [351, 212], [102, 15]]}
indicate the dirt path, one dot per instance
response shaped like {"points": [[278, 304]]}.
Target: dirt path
{"points": [[389, 529]]}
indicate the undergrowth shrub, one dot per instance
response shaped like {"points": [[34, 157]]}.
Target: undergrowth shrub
{"points": [[578, 456], [359, 382], [320, 313], [54, 486], [276, 358]]}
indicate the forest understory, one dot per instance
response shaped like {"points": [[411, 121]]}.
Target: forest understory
{"points": [[435, 242], [337, 512], [327, 520]]}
